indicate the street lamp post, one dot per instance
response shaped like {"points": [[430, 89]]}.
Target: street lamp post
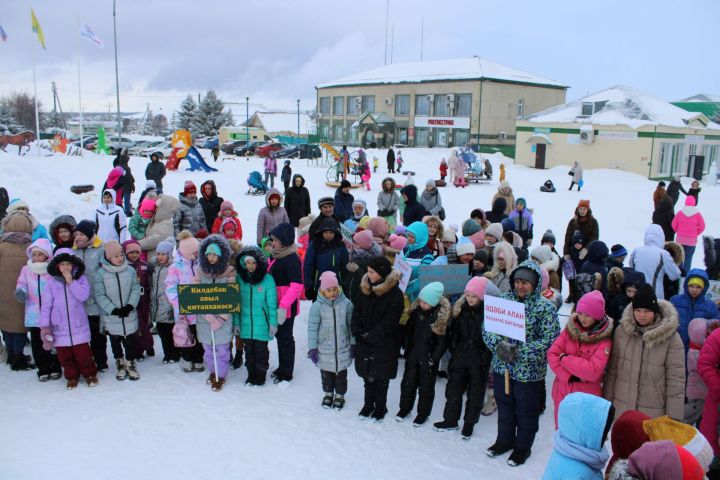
{"points": [[117, 78], [298, 115], [247, 125]]}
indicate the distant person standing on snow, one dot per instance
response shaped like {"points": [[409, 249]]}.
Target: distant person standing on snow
{"points": [[270, 169], [391, 160], [452, 166], [577, 176]]}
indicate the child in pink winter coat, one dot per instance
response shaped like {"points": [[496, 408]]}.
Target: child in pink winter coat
{"points": [[696, 391], [579, 355], [460, 174], [688, 224]]}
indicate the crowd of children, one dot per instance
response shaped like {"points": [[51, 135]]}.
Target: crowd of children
{"points": [[635, 340]]}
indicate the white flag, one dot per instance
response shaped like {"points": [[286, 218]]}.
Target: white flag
{"points": [[89, 33]]}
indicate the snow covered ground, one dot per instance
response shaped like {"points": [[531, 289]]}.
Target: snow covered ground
{"points": [[170, 423]]}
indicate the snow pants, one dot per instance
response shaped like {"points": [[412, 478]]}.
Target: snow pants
{"points": [[46, 362], [334, 382], [222, 354], [518, 413], [170, 352], [257, 360], [77, 360], [418, 377], [98, 343], [286, 348], [460, 381], [376, 394], [128, 342]]}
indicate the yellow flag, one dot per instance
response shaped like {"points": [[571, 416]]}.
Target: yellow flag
{"points": [[37, 28]]}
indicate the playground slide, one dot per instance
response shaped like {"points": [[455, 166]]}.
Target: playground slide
{"points": [[197, 162], [330, 149]]}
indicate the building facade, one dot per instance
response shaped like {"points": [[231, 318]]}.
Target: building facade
{"points": [[620, 128], [436, 103]]}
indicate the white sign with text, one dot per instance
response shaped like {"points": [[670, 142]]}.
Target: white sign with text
{"points": [[505, 317]]}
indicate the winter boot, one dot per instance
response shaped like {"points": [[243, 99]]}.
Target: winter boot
{"points": [[122, 372], [72, 383], [490, 405], [237, 361], [401, 415], [55, 375], [20, 363], [44, 377], [132, 372], [217, 385], [188, 367], [445, 426], [327, 400], [379, 415], [92, 381], [198, 367], [210, 379], [498, 449], [365, 412], [339, 402], [518, 457], [467, 430], [420, 420]]}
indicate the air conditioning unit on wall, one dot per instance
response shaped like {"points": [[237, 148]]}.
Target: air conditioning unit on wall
{"points": [[587, 134], [431, 98], [358, 101], [502, 136], [388, 101]]}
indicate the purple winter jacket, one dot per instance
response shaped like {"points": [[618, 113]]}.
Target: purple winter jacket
{"points": [[63, 309]]}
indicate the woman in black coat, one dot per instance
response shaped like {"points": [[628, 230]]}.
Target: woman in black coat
{"points": [[297, 200], [663, 216], [391, 160], [376, 328], [210, 202]]}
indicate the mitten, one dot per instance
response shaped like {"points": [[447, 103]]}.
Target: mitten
{"points": [[47, 338], [506, 351], [20, 295], [215, 322], [310, 294], [273, 330], [126, 309], [281, 316], [314, 355], [115, 311]]}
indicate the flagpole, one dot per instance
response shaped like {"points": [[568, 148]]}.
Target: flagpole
{"points": [[37, 115], [82, 133]]}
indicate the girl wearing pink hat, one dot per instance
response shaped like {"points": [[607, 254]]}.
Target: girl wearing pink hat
{"points": [[581, 352]]}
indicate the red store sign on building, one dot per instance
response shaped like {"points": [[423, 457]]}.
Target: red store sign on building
{"points": [[442, 122]]}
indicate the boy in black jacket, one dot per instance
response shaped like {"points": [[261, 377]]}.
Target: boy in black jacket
{"points": [[424, 346]]}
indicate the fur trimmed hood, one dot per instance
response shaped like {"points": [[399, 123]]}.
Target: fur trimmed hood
{"points": [[260, 269], [77, 263], [459, 304], [665, 326], [510, 258], [223, 262], [439, 327], [390, 282], [577, 334], [62, 221], [676, 252]]}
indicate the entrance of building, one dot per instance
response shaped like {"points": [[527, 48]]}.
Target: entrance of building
{"points": [[696, 164], [540, 155]]}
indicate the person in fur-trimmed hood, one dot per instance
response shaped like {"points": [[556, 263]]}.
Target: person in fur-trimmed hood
{"points": [[215, 331], [579, 355], [376, 328], [388, 201], [504, 262], [363, 249], [505, 192], [549, 261], [425, 343], [647, 366], [61, 231]]}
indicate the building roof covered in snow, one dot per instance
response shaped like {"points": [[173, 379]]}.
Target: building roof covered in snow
{"points": [[702, 97], [281, 122], [473, 68], [622, 105]]}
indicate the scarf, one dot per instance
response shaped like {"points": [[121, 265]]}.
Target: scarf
{"points": [[284, 252], [595, 459], [38, 268]]}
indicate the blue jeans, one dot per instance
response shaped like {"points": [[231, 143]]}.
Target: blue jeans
{"points": [[128, 204], [15, 342], [689, 252]]}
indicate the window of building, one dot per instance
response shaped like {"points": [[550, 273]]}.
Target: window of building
{"points": [[402, 135], [368, 103], [441, 106], [679, 161], [463, 105], [325, 105], [461, 137], [402, 105], [521, 107], [338, 133], [711, 155], [338, 105], [352, 106], [441, 137], [664, 159], [422, 105], [422, 135]]}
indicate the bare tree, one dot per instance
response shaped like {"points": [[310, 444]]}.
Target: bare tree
{"points": [[159, 124], [21, 107]]}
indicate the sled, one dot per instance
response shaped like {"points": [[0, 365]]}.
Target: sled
{"points": [[80, 189], [337, 185]]}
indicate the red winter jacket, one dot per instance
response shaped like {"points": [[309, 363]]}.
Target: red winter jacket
{"points": [[217, 225], [707, 367], [586, 356]]}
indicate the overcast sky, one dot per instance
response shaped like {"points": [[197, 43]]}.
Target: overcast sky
{"points": [[276, 51]]}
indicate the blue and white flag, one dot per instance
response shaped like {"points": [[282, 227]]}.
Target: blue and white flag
{"points": [[3, 35], [89, 33]]}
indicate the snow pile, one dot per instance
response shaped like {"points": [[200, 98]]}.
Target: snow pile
{"points": [[619, 105], [473, 68], [169, 423]]}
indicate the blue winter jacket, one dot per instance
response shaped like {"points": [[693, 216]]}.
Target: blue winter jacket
{"points": [[578, 453], [322, 256], [688, 308], [343, 205]]}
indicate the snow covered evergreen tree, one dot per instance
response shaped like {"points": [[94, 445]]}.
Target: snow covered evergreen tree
{"points": [[147, 127], [186, 115], [229, 118], [210, 116], [8, 124]]}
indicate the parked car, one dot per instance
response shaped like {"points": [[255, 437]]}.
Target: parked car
{"points": [[115, 145], [230, 146], [247, 150], [309, 150], [290, 152], [142, 145], [265, 150], [163, 149], [89, 139]]}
